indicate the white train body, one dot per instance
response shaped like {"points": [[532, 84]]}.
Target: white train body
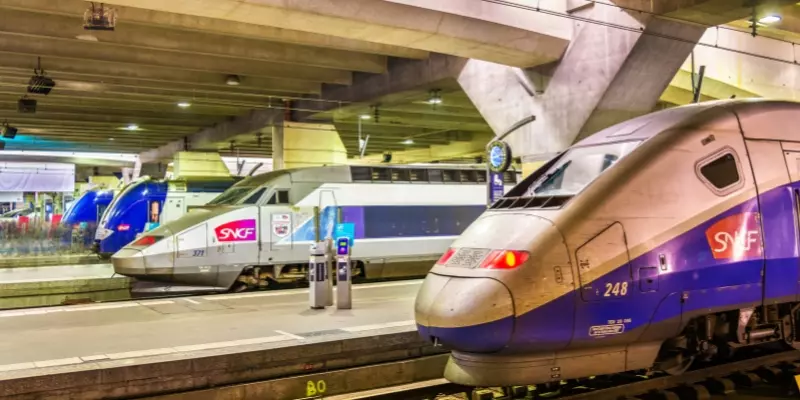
{"points": [[260, 229]]}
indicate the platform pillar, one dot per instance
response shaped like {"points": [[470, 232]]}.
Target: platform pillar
{"points": [[607, 75]]}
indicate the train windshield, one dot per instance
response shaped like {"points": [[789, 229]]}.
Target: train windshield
{"points": [[127, 188], [579, 167], [232, 196]]}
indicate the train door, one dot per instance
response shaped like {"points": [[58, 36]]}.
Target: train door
{"points": [[792, 159], [764, 247], [276, 224], [606, 285], [174, 208]]}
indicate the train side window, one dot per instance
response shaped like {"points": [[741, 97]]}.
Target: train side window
{"points": [[283, 197], [253, 199], [721, 172], [271, 200]]}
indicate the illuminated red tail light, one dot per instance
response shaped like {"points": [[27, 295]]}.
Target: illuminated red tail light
{"points": [[146, 240], [446, 256], [505, 259]]}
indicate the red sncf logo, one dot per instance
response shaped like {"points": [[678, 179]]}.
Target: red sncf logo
{"points": [[735, 237]]}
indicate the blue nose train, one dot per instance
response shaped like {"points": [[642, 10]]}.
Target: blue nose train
{"points": [[652, 244]]}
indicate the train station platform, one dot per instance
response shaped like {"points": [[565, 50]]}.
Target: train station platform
{"points": [[151, 347], [52, 285], [28, 261]]}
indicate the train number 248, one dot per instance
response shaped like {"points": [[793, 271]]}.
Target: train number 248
{"points": [[616, 289]]}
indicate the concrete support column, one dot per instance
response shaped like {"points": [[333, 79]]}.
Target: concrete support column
{"points": [[277, 146], [606, 76], [306, 145]]}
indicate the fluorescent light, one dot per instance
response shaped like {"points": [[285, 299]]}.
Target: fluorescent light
{"points": [[770, 19], [408, 141], [132, 127], [184, 104], [435, 100], [364, 116], [111, 138]]}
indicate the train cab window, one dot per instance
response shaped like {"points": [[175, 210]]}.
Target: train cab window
{"points": [[283, 197], [279, 197], [253, 199], [720, 172]]}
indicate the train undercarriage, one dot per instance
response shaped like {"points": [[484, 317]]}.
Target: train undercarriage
{"points": [[261, 277], [719, 336]]}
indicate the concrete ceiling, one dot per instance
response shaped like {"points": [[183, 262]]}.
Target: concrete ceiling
{"points": [[154, 60]]}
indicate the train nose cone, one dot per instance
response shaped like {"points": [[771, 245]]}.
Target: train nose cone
{"points": [[128, 262], [466, 314]]}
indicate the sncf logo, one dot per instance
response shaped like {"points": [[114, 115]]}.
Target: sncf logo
{"points": [[237, 231], [736, 237]]}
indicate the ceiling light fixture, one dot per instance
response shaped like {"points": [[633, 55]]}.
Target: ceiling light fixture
{"points": [[111, 139], [232, 80], [184, 104], [364, 116], [434, 97], [132, 127], [770, 19], [408, 141]]}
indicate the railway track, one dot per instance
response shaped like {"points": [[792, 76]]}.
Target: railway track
{"points": [[771, 372]]}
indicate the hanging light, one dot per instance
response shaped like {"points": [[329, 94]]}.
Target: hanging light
{"points": [[770, 19], [408, 141], [184, 104], [434, 97]]}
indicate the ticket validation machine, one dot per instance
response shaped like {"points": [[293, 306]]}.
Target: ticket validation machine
{"points": [[319, 278], [344, 274]]}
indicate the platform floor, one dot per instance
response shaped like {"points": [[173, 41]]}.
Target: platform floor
{"points": [[68, 335], [56, 273]]}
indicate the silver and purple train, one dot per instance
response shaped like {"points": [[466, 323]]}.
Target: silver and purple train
{"points": [[655, 243], [259, 231]]}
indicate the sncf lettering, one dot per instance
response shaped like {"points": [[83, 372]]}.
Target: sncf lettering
{"points": [[241, 233], [735, 237], [235, 231]]}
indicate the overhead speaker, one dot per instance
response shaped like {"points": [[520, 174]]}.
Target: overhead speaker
{"points": [[9, 132], [99, 18], [40, 84], [26, 106]]}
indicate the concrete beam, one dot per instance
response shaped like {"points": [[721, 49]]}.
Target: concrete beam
{"points": [[205, 138], [403, 79], [432, 153], [704, 12], [137, 16], [385, 22], [85, 51], [139, 37], [711, 88]]}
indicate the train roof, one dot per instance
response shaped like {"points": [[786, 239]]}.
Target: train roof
{"points": [[362, 173], [649, 125]]}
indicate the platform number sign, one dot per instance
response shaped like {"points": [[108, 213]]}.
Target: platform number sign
{"points": [[316, 388]]}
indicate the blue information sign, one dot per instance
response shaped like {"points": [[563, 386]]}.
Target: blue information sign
{"points": [[497, 189], [348, 230]]}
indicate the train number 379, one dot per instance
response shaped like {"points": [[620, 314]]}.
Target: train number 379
{"points": [[616, 289]]}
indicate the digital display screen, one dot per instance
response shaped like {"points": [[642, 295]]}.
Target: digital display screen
{"points": [[342, 246]]}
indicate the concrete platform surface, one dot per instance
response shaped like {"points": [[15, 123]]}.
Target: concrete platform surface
{"points": [[47, 260], [56, 273], [75, 336]]}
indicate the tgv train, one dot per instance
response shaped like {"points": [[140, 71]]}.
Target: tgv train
{"points": [[259, 231], [146, 203], [669, 238]]}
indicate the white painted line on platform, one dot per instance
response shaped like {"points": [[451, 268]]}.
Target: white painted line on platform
{"points": [[231, 343], [103, 307], [379, 326], [291, 335], [94, 358], [141, 353], [15, 367], [155, 303], [191, 301], [223, 297], [57, 363]]}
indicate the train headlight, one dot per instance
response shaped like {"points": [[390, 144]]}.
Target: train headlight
{"points": [[505, 259], [145, 241]]}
